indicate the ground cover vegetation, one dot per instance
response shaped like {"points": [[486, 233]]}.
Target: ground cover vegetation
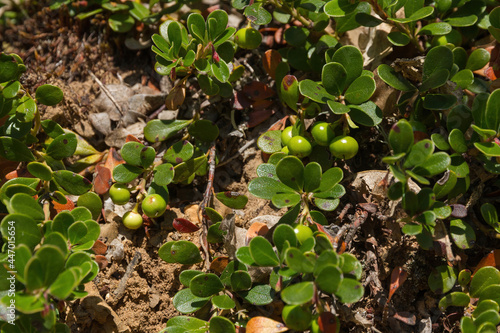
{"points": [[378, 170]]}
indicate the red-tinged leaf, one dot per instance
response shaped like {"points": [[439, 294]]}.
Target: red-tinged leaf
{"points": [[265, 325], [241, 101], [419, 136], [18, 173], [102, 180], [176, 97], [113, 159], [256, 229], [328, 322], [184, 226], [265, 157], [490, 73], [130, 137], [270, 61], [99, 247], [406, 317], [491, 259], [69, 205], [101, 261], [258, 91], [322, 229], [257, 117], [398, 277], [279, 125], [219, 264], [262, 105]]}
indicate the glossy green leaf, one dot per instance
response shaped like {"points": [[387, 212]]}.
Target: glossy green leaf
{"points": [[179, 152], [240, 280], [11, 89], [266, 188], [488, 148], [164, 174], [464, 78], [489, 318], [44, 267], [299, 293], [182, 252], [349, 21], [314, 91], [26, 230], [204, 285], [23, 203], [270, 142], [360, 90], [411, 228], [394, 79], [477, 59], [454, 299], [442, 279], [440, 142], [71, 182], [434, 165], [125, 173], [334, 78], [121, 22], [231, 267], [437, 79], [462, 234], [290, 172], [14, 150], [312, 177], [262, 252], [204, 130], [366, 114], [460, 117], [232, 199], [445, 185], [401, 137], [48, 95], [339, 8], [40, 170], [485, 305], [484, 277], [290, 91], [416, 16], [438, 58], [350, 291], [492, 114], [257, 14], [187, 275], [63, 146], [27, 107], [184, 170], [161, 130], [259, 295], [185, 302], [457, 141], [351, 59], [215, 234], [219, 324], [435, 29], [439, 101], [243, 255], [419, 153], [297, 261], [398, 38], [490, 215]]}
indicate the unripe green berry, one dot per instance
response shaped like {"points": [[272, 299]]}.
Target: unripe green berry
{"points": [[119, 193], [322, 133], [299, 146], [302, 232], [286, 135], [154, 205], [248, 38], [344, 146], [132, 220]]}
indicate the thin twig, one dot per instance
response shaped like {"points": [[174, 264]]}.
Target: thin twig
{"points": [[206, 199], [240, 151], [361, 216], [118, 293], [106, 91]]}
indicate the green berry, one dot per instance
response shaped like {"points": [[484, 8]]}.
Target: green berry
{"points": [[119, 193], [302, 232], [132, 220], [286, 135], [296, 317], [299, 146], [154, 205], [248, 38], [322, 133], [344, 146]]}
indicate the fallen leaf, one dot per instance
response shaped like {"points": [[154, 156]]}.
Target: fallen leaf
{"points": [[491, 259], [184, 226], [99, 247], [265, 325], [256, 229], [270, 61], [102, 180], [101, 261], [258, 91], [69, 205], [398, 277], [130, 138], [219, 264]]}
